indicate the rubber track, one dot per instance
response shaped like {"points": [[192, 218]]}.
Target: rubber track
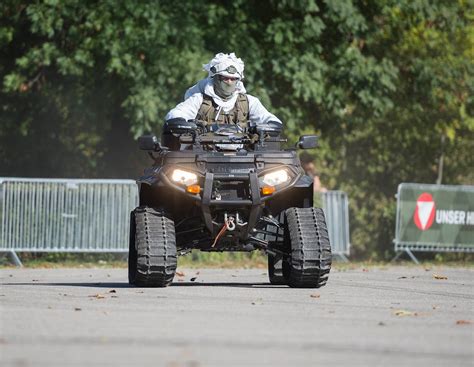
{"points": [[275, 273], [155, 241], [311, 258]]}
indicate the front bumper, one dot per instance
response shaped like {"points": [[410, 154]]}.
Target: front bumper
{"points": [[250, 206]]}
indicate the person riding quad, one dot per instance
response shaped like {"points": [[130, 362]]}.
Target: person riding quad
{"points": [[221, 182], [221, 98]]}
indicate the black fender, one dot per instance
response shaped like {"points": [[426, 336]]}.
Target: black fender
{"points": [[304, 181], [300, 195]]}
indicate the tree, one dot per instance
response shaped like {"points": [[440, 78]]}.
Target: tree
{"points": [[388, 85]]}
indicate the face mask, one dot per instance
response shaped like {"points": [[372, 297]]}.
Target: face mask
{"points": [[224, 88]]}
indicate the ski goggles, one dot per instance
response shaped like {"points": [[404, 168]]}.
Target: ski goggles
{"points": [[225, 77], [229, 70]]}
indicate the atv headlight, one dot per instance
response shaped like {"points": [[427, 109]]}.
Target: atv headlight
{"points": [[184, 177], [276, 178]]}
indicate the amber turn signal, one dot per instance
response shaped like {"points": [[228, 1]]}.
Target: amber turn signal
{"points": [[193, 189], [268, 190]]}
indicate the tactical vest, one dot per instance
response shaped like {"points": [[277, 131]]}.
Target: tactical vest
{"points": [[239, 114]]}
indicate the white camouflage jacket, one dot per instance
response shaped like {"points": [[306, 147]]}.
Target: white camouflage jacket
{"points": [[189, 108]]}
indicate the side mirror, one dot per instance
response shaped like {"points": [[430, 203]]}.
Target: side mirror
{"points": [[148, 142], [307, 142]]}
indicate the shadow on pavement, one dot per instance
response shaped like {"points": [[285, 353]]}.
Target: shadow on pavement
{"points": [[126, 285]]}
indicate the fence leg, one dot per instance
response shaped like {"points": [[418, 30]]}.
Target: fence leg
{"points": [[413, 257], [399, 253], [15, 259], [410, 254], [342, 257]]}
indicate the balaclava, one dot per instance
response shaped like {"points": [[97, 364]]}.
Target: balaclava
{"points": [[224, 88]]}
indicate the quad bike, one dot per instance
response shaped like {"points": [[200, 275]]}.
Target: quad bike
{"points": [[223, 188]]}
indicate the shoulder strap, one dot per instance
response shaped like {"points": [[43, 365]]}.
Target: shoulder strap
{"points": [[206, 111], [242, 110]]}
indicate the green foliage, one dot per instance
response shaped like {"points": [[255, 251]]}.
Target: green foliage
{"points": [[386, 83]]}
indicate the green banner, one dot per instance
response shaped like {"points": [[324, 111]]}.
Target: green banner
{"points": [[435, 215]]}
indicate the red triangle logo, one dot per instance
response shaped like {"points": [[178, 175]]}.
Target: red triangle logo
{"points": [[424, 211]]}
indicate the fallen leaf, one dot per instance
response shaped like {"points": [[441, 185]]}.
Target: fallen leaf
{"points": [[35, 280], [401, 277], [463, 322], [234, 276], [365, 270], [403, 313], [253, 303], [315, 295], [180, 273], [112, 291], [427, 269], [77, 309], [50, 308], [440, 277], [381, 323], [10, 275], [114, 297], [198, 272], [435, 307], [98, 296], [193, 279]]}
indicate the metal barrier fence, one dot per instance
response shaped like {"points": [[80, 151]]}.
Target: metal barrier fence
{"points": [[336, 209], [77, 215], [65, 215]]}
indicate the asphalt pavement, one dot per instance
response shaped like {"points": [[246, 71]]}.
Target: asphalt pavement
{"points": [[388, 316]]}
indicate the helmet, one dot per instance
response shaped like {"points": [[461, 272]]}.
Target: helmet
{"points": [[225, 64]]}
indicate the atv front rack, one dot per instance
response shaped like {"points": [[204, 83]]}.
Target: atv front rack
{"points": [[254, 203]]}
